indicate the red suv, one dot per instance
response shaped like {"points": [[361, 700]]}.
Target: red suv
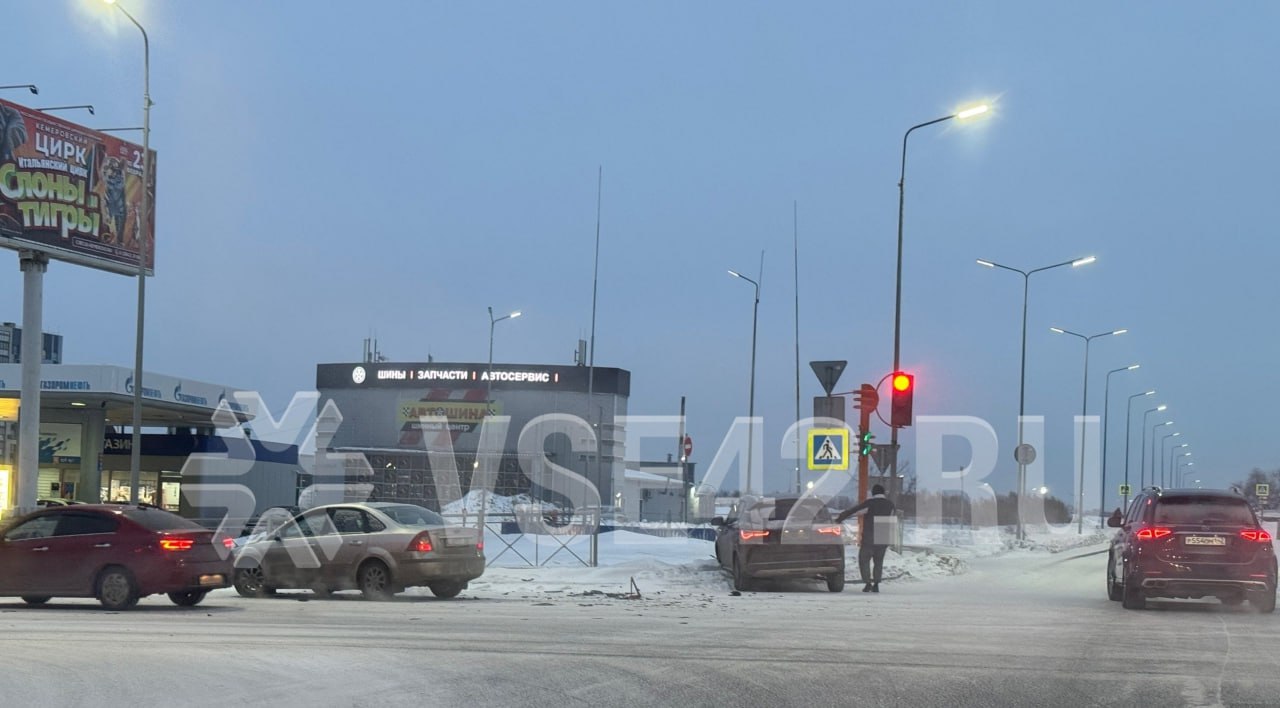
{"points": [[1190, 543], [115, 553]]}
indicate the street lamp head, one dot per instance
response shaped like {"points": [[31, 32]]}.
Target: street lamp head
{"points": [[1135, 366], [1167, 422], [515, 314], [1160, 407], [735, 274], [972, 111], [1083, 261], [988, 264], [1175, 435], [1057, 330], [1120, 331], [1152, 392]]}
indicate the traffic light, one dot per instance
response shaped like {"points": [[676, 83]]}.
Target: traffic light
{"points": [[904, 387], [864, 443]]}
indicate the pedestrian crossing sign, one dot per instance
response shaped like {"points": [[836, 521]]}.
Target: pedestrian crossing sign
{"points": [[828, 449], [1125, 490]]}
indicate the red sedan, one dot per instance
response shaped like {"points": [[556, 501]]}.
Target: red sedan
{"points": [[117, 554]]}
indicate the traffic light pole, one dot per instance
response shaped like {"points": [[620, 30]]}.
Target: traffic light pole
{"points": [[864, 427]]}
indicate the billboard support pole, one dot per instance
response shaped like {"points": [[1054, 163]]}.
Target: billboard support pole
{"points": [[135, 455], [33, 265]]}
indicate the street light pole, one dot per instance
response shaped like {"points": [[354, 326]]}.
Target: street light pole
{"points": [[1022, 375], [1084, 411], [1106, 411], [135, 454], [1142, 466], [30, 87], [1128, 436], [1172, 460], [976, 110], [1153, 448], [493, 323], [1163, 440], [751, 397]]}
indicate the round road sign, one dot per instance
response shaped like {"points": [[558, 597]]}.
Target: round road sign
{"points": [[688, 446], [1024, 454]]}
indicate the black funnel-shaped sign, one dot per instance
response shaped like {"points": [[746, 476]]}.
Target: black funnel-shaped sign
{"points": [[828, 373]]}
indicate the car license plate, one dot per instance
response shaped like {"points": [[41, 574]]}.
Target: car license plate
{"points": [[1205, 541], [452, 541], [215, 579]]}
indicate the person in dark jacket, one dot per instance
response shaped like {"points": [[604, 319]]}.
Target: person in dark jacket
{"points": [[871, 549]]}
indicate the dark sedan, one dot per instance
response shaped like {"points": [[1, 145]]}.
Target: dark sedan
{"points": [[117, 554], [780, 538]]}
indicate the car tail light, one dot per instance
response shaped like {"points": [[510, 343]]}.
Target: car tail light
{"points": [[228, 542], [480, 545], [421, 543], [1259, 535], [747, 535], [1152, 533], [831, 530], [177, 544]]}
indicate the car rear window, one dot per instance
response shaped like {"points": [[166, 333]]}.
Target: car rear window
{"points": [[160, 520], [1202, 510], [410, 515], [784, 509]]}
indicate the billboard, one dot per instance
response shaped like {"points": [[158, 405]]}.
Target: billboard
{"points": [[72, 192]]}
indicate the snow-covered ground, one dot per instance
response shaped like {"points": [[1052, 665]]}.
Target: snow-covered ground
{"points": [[533, 565]]}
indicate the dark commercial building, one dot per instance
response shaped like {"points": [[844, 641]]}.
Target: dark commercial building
{"points": [[382, 405]]}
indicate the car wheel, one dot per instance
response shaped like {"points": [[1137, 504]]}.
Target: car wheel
{"points": [[375, 580], [1113, 590], [446, 589], [190, 598], [251, 582], [116, 589], [1265, 601], [741, 581], [835, 582], [1132, 596], [35, 599]]}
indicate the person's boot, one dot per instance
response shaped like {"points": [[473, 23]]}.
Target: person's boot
{"points": [[867, 588], [875, 587]]}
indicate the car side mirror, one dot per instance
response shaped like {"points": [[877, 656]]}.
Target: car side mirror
{"points": [[1115, 521], [718, 521]]}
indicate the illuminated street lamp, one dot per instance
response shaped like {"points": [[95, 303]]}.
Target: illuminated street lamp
{"points": [[961, 115], [493, 323], [1022, 376], [135, 455], [1153, 448], [1106, 410], [1172, 459], [1142, 467], [1166, 472], [751, 397], [1084, 410], [1128, 436]]}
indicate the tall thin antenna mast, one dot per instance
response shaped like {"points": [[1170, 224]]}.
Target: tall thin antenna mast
{"points": [[795, 241]]}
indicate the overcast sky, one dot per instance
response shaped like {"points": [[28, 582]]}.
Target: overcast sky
{"points": [[332, 170]]}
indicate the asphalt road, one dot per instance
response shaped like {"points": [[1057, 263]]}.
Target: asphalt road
{"points": [[1012, 631]]}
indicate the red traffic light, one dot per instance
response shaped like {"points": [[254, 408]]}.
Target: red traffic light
{"points": [[904, 388]]}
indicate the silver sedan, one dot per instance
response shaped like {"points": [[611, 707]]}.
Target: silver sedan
{"points": [[378, 548]]}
